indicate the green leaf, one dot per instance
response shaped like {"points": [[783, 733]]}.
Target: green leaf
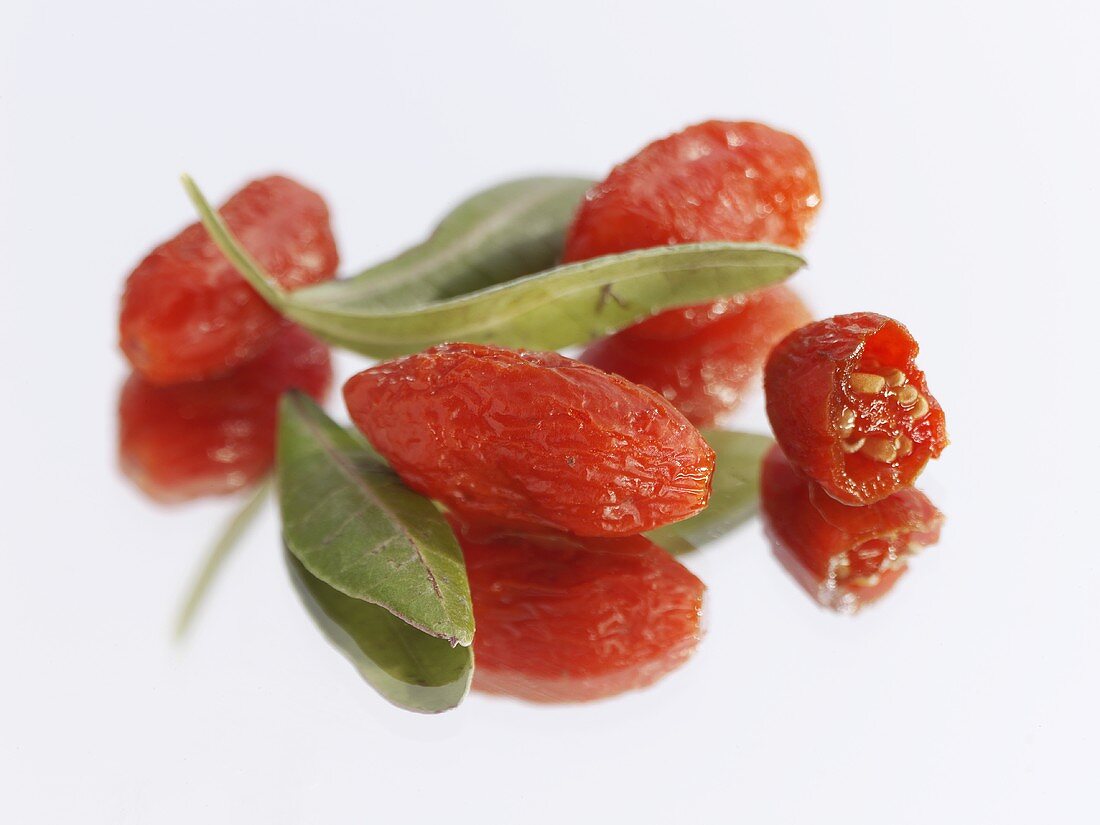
{"points": [[351, 523], [411, 669], [553, 308], [502, 233], [734, 496]]}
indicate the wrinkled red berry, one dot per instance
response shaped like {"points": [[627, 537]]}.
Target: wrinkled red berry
{"points": [[186, 312], [702, 358], [844, 556], [851, 409], [562, 619], [532, 439], [715, 181], [216, 436]]}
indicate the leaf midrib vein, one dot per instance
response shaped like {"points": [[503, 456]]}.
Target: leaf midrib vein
{"points": [[349, 471]]}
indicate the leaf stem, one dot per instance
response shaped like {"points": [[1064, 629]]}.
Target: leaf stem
{"points": [[229, 538]]}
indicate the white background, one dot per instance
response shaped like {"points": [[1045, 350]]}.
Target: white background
{"points": [[958, 147]]}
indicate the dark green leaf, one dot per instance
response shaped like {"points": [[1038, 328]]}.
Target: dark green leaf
{"points": [[734, 495], [553, 308], [352, 523], [408, 668]]}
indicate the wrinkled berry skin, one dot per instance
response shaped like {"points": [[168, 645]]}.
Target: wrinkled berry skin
{"points": [[563, 619], [715, 181], [186, 312], [217, 436], [533, 440], [702, 358]]}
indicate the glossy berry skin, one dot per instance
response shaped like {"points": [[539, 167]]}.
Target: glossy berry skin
{"points": [[186, 312], [715, 181], [216, 436], [850, 408], [533, 440], [564, 619], [843, 556], [702, 358]]}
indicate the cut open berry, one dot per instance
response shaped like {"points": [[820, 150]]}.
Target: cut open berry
{"points": [[564, 619], [845, 557], [850, 408]]}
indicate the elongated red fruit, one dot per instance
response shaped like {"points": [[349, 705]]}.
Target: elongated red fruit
{"points": [[186, 312], [532, 439], [564, 619], [844, 556], [217, 436], [714, 181], [850, 408], [702, 358]]}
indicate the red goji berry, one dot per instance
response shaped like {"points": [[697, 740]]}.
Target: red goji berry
{"points": [[843, 556], [716, 181], [186, 312], [850, 408], [216, 436], [532, 439], [563, 619], [702, 358]]}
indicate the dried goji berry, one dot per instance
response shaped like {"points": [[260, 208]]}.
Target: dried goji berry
{"points": [[843, 556], [215, 436], [702, 358], [532, 439], [186, 312], [563, 619], [715, 181], [850, 408]]}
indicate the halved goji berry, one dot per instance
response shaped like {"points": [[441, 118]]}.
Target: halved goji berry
{"points": [[532, 439], [702, 358], [186, 312], [850, 408], [216, 436], [844, 556], [715, 181], [562, 619]]}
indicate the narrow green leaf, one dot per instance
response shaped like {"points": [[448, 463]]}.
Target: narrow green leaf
{"points": [[502, 233], [237, 254], [411, 669], [734, 497], [352, 523], [552, 308]]}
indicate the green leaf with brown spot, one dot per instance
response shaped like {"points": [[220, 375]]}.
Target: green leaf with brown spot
{"points": [[469, 284]]}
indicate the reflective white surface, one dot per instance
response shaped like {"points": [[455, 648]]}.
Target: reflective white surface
{"points": [[957, 145]]}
